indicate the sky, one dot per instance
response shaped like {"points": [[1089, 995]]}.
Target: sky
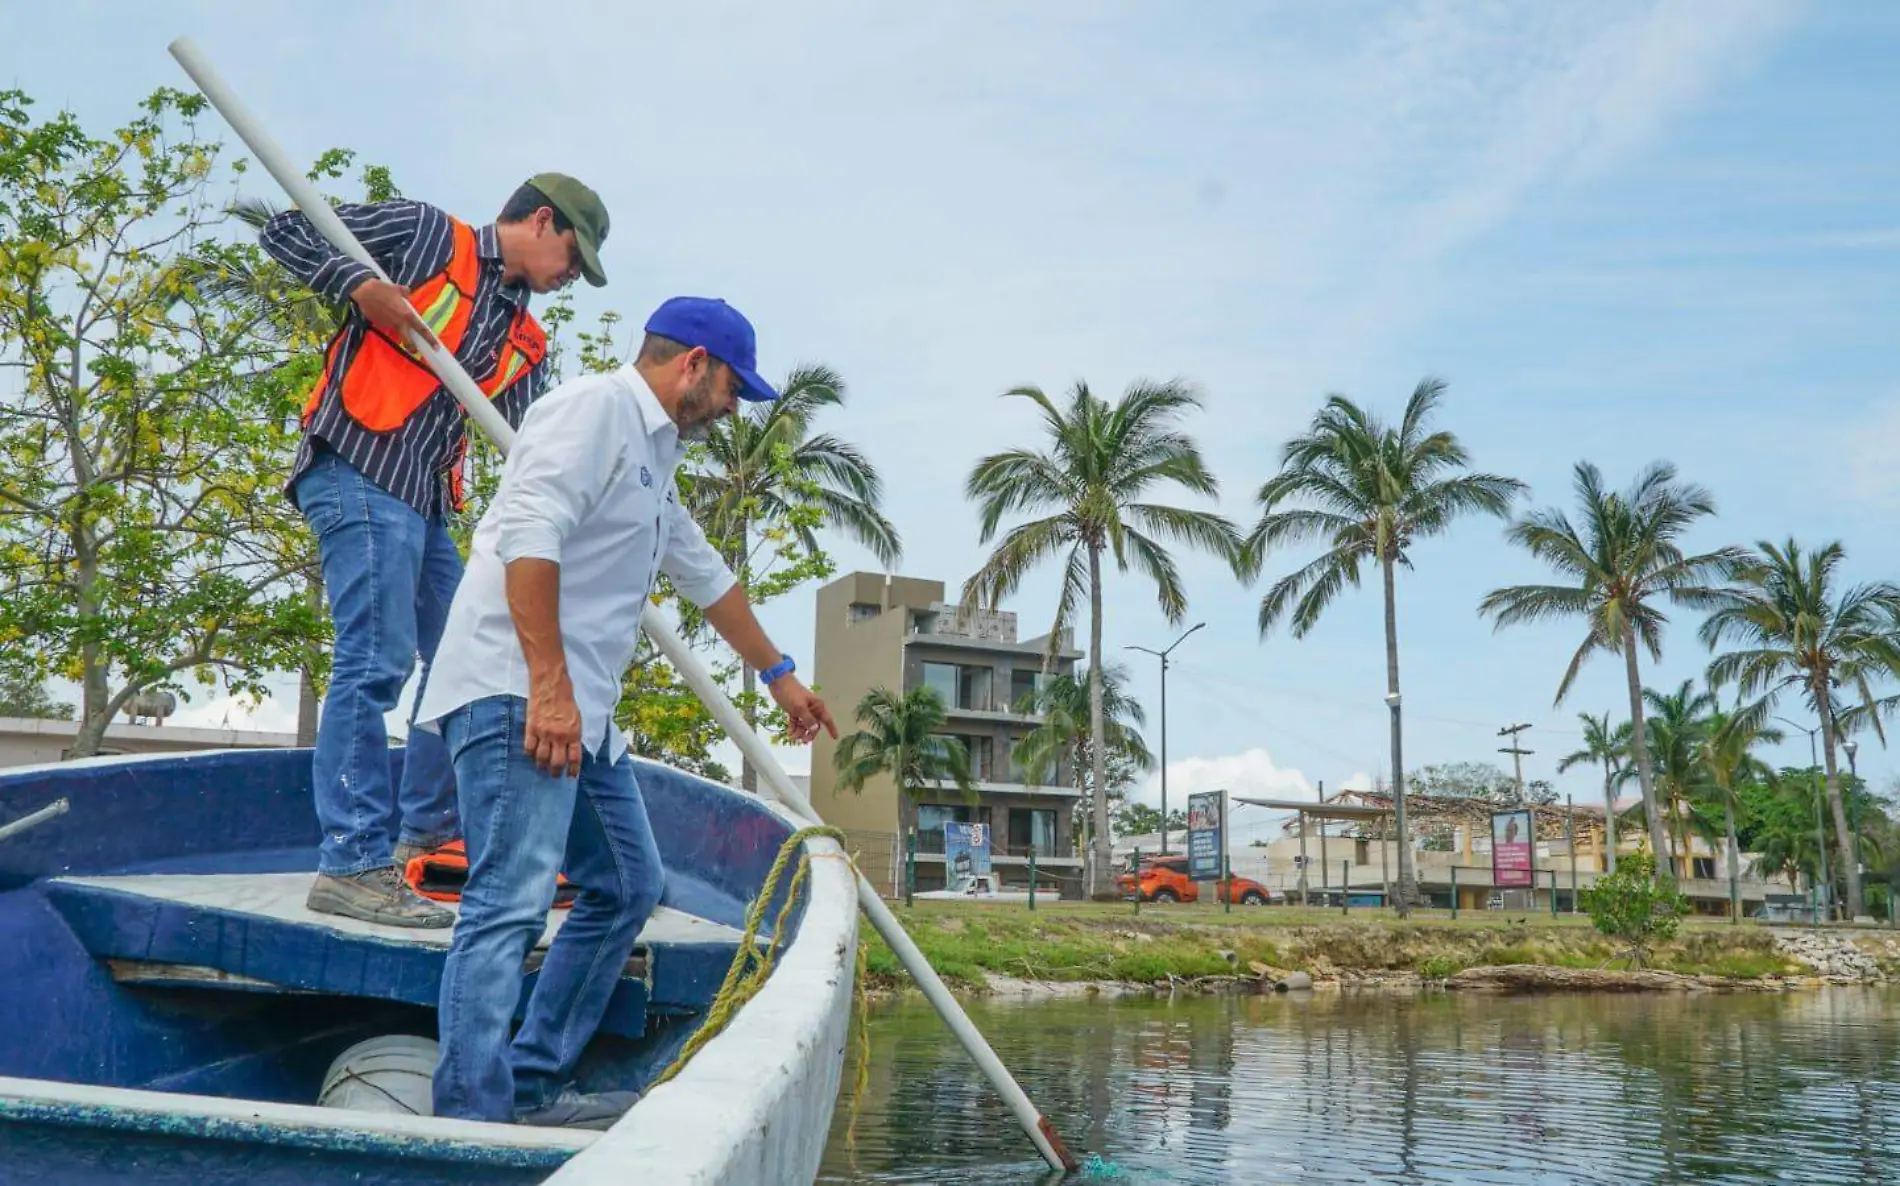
{"points": [[1620, 231]]}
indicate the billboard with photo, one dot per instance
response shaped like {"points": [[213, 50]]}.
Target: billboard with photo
{"points": [[966, 854], [1513, 845], [1207, 812]]}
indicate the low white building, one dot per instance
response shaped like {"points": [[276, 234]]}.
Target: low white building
{"points": [[27, 741]]}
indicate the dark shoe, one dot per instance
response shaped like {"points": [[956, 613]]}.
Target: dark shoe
{"points": [[376, 895], [573, 1109]]}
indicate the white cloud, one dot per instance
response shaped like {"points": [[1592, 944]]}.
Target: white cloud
{"points": [[1252, 773]]}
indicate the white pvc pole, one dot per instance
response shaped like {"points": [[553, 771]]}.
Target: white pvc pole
{"points": [[655, 621]]}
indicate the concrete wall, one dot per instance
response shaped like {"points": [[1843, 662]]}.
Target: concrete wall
{"points": [[854, 651], [27, 741]]}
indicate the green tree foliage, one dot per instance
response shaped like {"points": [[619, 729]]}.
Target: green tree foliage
{"points": [[28, 698], [1633, 906], [143, 540]]}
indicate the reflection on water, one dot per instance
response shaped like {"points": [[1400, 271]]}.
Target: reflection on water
{"points": [[1435, 1088]]}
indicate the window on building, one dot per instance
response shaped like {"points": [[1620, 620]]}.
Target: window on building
{"points": [[941, 678], [1032, 826], [1014, 771], [980, 751], [1025, 689], [1703, 867], [973, 688], [859, 611]]}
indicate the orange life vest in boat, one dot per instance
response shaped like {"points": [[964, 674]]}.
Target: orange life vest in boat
{"points": [[441, 874], [385, 381]]}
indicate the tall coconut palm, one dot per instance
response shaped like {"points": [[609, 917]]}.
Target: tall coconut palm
{"points": [[1799, 629], [1609, 747], [1678, 730], [764, 470], [899, 737], [1728, 755], [1088, 484], [1623, 563], [1369, 491], [1062, 737]]}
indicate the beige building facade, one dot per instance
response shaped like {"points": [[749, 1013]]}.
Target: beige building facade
{"points": [[876, 630]]}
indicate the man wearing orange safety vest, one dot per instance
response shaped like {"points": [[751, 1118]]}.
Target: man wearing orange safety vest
{"points": [[377, 473]]}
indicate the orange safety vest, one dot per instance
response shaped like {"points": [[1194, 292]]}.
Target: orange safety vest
{"points": [[385, 382]]}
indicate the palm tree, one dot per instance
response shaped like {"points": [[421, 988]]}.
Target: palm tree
{"points": [[1609, 747], [1677, 734], [763, 471], [1369, 491], [1621, 565], [1798, 629], [1730, 761], [1101, 461], [1785, 831], [1062, 737], [899, 737]]}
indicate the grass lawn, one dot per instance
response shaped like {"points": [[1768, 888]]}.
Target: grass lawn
{"points": [[1069, 941]]}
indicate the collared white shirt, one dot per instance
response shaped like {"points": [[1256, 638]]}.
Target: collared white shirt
{"points": [[588, 485]]}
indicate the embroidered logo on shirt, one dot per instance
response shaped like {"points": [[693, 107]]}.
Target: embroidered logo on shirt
{"points": [[646, 476]]}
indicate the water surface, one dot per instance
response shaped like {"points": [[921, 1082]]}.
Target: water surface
{"points": [[1801, 1087]]}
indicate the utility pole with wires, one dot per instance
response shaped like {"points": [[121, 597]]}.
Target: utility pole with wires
{"points": [[1517, 753]]}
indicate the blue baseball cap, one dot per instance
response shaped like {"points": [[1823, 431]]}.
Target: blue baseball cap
{"points": [[721, 330]]}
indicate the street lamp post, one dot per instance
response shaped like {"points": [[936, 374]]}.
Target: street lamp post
{"points": [[1398, 815], [1822, 886], [1163, 656]]}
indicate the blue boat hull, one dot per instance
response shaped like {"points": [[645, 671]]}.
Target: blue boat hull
{"points": [[157, 1034]]}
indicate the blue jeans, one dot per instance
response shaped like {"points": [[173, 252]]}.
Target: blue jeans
{"points": [[390, 575], [524, 827]]}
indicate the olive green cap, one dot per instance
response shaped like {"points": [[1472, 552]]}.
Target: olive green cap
{"points": [[583, 208]]}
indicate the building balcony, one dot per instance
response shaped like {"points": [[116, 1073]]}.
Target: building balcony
{"points": [[997, 713], [987, 786]]}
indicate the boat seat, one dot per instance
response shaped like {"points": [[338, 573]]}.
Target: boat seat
{"points": [[251, 932]]}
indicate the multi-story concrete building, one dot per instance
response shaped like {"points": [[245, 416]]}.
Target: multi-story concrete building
{"points": [[899, 633]]}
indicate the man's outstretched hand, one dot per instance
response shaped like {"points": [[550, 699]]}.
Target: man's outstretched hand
{"points": [[804, 711]]}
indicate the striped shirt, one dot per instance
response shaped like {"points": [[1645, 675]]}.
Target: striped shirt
{"points": [[412, 241]]}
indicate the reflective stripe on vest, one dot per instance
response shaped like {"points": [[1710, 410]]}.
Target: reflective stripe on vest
{"points": [[386, 382]]}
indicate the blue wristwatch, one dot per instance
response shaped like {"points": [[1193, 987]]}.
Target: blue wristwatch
{"points": [[783, 667]]}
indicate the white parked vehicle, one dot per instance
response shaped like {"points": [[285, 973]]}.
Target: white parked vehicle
{"points": [[984, 887]]}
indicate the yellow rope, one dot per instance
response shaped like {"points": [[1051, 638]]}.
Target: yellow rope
{"points": [[751, 965]]}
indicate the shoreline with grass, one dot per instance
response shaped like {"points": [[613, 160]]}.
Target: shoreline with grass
{"points": [[1075, 948]]}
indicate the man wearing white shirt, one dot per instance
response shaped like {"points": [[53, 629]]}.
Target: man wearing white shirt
{"points": [[541, 632]]}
